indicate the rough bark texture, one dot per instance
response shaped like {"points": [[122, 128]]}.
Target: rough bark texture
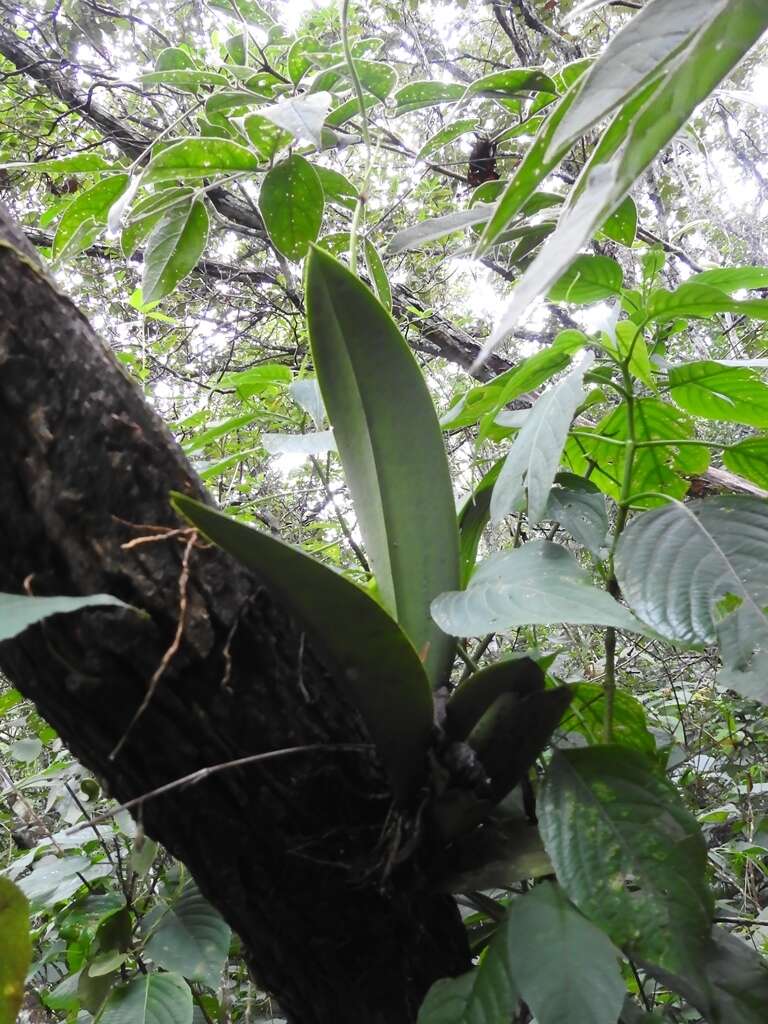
{"points": [[291, 852]]}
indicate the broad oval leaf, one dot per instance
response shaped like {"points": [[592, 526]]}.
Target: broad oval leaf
{"points": [[92, 204], [303, 117], [15, 949], [291, 202], [391, 449], [735, 394], [697, 573], [586, 716], [446, 135], [543, 929], [579, 507], [750, 459], [416, 95], [199, 158], [531, 465], [174, 247], [627, 851], [376, 663], [17, 611], [588, 279], [514, 82], [538, 584], [732, 279], [149, 999], [191, 938]]}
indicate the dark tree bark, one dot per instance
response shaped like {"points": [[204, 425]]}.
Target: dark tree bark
{"points": [[297, 854]]}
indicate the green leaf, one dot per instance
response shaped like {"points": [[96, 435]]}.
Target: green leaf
{"points": [[446, 135], [375, 661], [627, 852], [586, 716], [199, 158], [417, 95], [749, 459], [186, 80], [621, 226], [146, 213], [695, 573], [17, 612], [735, 394], [337, 187], [172, 58], [473, 518], [149, 999], [219, 429], [532, 171], [643, 47], [531, 465], [302, 117], [345, 111], [173, 249], [191, 938], [514, 82], [91, 204], [298, 63], [391, 449], [435, 227], [579, 507], [656, 468], [729, 984], [15, 949], [543, 930], [710, 55], [378, 275], [291, 202], [538, 584], [732, 279], [78, 163], [265, 137], [470, 700], [701, 300]]}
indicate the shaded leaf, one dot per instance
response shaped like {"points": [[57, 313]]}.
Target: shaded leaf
{"points": [[191, 938], [374, 660], [627, 852], [750, 459], [149, 999], [15, 949], [426, 94], [18, 611], [538, 584], [579, 507]]}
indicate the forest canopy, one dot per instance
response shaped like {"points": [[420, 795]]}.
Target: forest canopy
{"points": [[384, 563]]}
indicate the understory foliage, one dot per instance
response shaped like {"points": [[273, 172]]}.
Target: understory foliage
{"points": [[458, 309]]}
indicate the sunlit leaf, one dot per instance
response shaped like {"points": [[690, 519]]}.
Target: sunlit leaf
{"points": [[199, 158]]}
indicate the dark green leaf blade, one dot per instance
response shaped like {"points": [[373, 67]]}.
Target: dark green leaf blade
{"points": [[174, 247], [391, 448], [374, 658], [627, 852]]}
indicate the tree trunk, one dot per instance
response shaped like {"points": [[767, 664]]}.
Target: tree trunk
{"points": [[296, 853]]}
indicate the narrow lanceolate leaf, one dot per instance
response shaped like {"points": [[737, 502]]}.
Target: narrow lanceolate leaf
{"points": [[707, 58], [543, 929], [378, 274], [192, 938], [173, 249], [391, 448], [436, 227], [291, 202], [199, 158], [538, 584], [15, 949], [658, 33], [17, 611], [627, 852], [735, 394], [149, 999], [695, 574], [532, 462], [371, 655]]}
